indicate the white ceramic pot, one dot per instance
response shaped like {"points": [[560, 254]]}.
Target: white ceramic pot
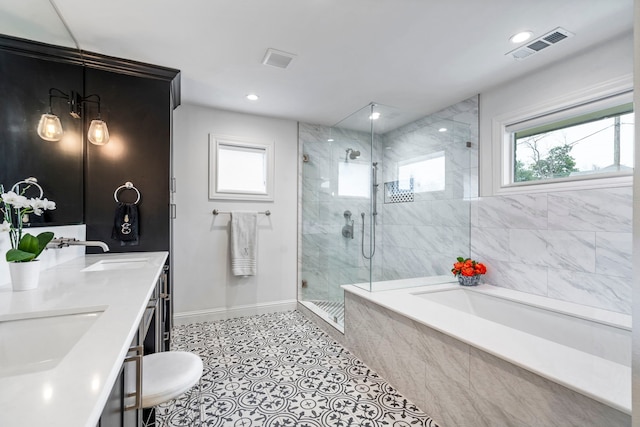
{"points": [[24, 275]]}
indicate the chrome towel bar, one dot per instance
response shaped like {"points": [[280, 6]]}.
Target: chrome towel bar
{"points": [[216, 212]]}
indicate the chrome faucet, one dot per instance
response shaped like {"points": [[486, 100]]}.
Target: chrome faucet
{"points": [[63, 242]]}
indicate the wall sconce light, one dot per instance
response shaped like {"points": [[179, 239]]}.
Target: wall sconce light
{"points": [[50, 128]]}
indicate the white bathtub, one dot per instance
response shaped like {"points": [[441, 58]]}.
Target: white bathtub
{"points": [[585, 349], [597, 337]]}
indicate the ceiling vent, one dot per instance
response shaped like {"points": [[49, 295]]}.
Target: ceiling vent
{"points": [[277, 58], [540, 43]]}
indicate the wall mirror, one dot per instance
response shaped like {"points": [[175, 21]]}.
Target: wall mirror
{"points": [[240, 170], [25, 85]]}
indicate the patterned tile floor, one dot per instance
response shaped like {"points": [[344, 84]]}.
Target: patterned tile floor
{"points": [[280, 370]]}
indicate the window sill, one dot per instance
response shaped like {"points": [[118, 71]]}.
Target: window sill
{"points": [[567, 185]]}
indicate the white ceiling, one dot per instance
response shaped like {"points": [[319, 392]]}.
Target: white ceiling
{"points": [[415, 55]]}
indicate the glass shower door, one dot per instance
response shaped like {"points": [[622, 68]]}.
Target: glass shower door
{"points": [[336, 198]]}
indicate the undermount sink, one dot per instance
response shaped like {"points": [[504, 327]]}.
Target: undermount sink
{"points": [[118, 264], [40, 341]]}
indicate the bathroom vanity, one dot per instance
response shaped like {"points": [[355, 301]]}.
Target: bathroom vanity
{"points": [[64, 345]]}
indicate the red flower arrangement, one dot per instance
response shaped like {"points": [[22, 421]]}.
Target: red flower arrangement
{"points": [[468, 267]]}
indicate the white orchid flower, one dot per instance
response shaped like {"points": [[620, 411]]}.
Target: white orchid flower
{"points": [[40, 205], [49, 204], [5, 226], [16, 200]]}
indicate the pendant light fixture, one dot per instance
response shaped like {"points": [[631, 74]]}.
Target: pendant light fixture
{"points": [[50, 128]]}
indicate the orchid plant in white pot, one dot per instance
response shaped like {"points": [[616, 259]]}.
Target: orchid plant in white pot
{"points": [[25, 248]]}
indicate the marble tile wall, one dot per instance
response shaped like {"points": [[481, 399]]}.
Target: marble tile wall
{"points": [[570, 245], [421, 238], [459, 385]]}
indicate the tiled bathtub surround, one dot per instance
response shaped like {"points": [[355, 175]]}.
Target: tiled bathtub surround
{"points": [[457, 383], [569, 245]]}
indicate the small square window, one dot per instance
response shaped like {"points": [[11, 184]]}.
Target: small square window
{"points": [[240, 170]]}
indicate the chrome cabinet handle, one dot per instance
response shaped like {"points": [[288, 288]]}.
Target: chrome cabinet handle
{"points": [[164, 294], [137, 358]]}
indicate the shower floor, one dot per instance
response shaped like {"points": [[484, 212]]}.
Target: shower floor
{"points": [[333, 309]]}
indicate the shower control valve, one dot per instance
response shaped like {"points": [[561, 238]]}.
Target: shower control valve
{"points": [[347, 230]]}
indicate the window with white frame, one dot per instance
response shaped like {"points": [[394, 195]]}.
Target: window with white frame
{"points": [[595, 143], [240, 169], [584, 141]]}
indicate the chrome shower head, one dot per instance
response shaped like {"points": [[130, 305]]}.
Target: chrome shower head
{"points": [[351, 154]]}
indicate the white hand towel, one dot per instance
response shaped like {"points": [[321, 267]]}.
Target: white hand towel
{"points": [[244, 243]]}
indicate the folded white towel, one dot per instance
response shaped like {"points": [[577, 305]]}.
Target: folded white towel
{"points": [[244, 243]]}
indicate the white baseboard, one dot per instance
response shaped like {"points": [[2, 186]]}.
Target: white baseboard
{"points": [[222, 313]]}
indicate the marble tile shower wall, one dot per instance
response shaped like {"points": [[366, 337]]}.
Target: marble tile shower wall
{"points": [[569, 245], [413, 239], [423, 237]]}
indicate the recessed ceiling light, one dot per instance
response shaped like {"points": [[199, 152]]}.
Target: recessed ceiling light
{"points": [[442, 130], [521, 37], [374, 116], [330, 140], [252, 97]]}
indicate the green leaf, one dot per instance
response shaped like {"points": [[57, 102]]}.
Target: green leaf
{"points": [[43, 240], [29, 244], [30, 247], [16, 255], [460, 259]]}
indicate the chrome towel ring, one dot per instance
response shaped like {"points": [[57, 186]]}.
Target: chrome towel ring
{"points": [[31, 181], [127, 186]]}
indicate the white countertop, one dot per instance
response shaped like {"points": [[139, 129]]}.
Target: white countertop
{"points": [[73, 392]]}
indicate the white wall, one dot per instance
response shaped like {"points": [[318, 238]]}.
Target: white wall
{"points": [[204, 288]]}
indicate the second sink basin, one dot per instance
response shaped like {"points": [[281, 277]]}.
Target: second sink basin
{"points": [[117, 264], [42, 340]]}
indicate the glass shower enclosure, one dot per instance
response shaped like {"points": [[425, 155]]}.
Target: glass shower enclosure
{"points": [[385, 201]]}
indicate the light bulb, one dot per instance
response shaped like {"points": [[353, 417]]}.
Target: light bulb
{"points": [[98, 133], [521, 37], [50, 128]]}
